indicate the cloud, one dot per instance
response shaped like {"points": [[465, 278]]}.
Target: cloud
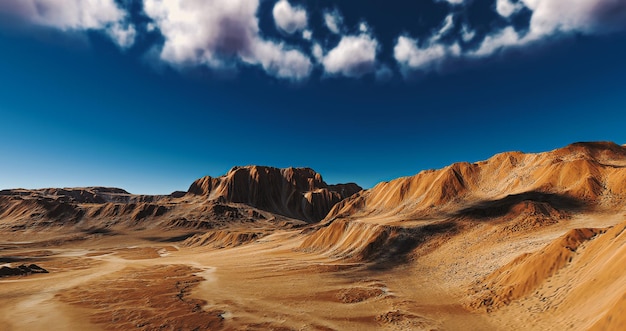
{"points": [[467, 34], [333, 21], [354, 56], [549, 19], [217, 33], [448, 25], [318, 52], [75, 15], [587, 16], [503, 38], [506, 8], [124, 35], [410, 56], [383, 74], [226, 34], [453, 2], [279, 61], [363, 27], [289, 19]]}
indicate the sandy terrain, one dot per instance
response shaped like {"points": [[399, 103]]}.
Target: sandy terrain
{"points": [[267, 284], [520, 241]]}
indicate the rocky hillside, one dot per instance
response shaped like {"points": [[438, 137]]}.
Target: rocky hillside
{"points": [[580, 175], [298, 193]]}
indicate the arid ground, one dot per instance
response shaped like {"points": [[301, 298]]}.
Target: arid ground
{"points": [[517, 242]]}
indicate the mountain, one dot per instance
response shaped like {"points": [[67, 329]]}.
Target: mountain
{"points": [[581, 174], [521, 191], [298, 193], [535, 233], [244, 194], [532, 241]]}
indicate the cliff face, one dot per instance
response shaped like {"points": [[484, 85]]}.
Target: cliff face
{"points": [[298, 193]]}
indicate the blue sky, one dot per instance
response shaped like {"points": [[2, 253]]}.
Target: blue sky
{"points": [[149, 95]]}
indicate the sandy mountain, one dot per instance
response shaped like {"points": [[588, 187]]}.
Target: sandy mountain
{"points": [[298, 193], [581, 174], [244, 194], [518, 192], [521, 241], [548, 222]]}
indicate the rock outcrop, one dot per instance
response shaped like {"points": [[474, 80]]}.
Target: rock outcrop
{"points": [[22, 270], [298, 193]]}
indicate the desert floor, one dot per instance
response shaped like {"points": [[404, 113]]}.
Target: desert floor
{"points": [[144, 279]]}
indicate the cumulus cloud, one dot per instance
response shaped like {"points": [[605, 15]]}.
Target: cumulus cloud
{"points": [[587, 16], [503, 38], [506, 8], [318, 52], [354, 56], [124, 35], [217, 32], [333, 21], [549, 19], [289, 19], [226, 33], [279, 61], [467, 34], [411, 56], [75, 15]]}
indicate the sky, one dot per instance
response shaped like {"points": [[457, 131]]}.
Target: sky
{"points": [[149, 95]]}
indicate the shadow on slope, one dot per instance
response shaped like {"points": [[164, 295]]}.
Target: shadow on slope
{"points": [[544, 202], [379, 247]]}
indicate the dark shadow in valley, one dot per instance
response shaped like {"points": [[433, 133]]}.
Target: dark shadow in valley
{"points": [[489, 209], [394, 249], [101, 231], [173, 239]]}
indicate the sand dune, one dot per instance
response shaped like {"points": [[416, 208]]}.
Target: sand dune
{"points": [[519, 241]]}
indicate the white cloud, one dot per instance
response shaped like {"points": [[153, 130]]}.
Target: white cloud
{"points": [[588, 16], [354, 56], [549, 19], [74, 15], [363, 27], [289, 19], [217, 32], [448, 25], [318, 52], [506, 8], [453, 2], [503, 38], [467, 34], [307, 34], [279, 61], [333, 21], [123, 35], [410, 56]]}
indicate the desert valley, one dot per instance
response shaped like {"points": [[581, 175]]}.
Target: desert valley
{"points": [[516, 242]]}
